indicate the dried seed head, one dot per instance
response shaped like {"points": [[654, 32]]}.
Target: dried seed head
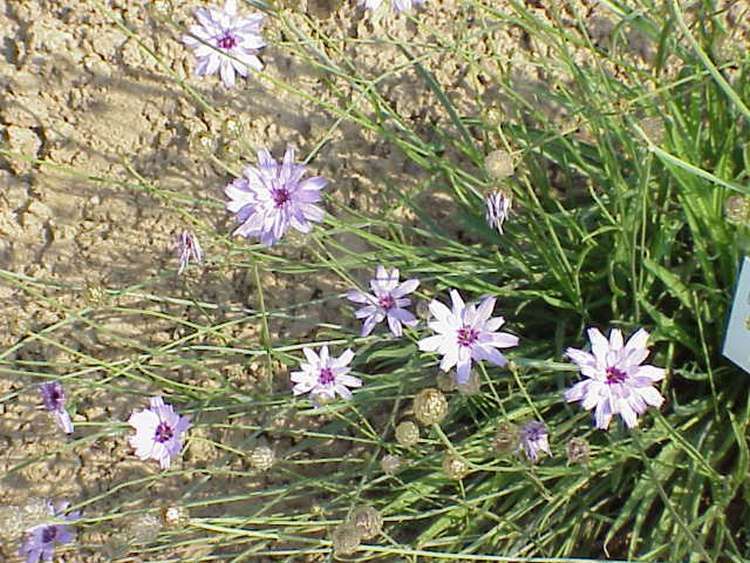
{"points": [[737, 209], [368, 521], [472, 386], [455, 467], [390, 464], [346, 538], [174, 517], [407, 433], [430, 406], [262, 458], [506, 438], [578, 450], [144, 529], [499, 164]]}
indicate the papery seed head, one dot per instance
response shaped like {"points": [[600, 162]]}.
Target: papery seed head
{"points": [[407, 433], [430, 406], [346, 538], [368, 520], [455, 467]]}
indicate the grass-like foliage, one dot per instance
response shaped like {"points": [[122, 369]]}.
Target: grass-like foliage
{"points": [[622, 171]]}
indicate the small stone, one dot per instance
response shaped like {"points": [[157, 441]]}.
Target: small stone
{"points": [[175, 516], [578, 450], [506, 438], [407, 433], [26, 144], [368, 520], [430, 406], [390, 464], [499, 164], [144, 529], [455, 467], [262, 458], [346, 539]]}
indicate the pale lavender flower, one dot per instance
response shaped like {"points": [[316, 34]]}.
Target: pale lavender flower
{"points": [[39, 541], [53, 397], [188, 248], [158, 432], [270, 198], [225, 42], [497, 207], [534, 439], [466, 333], [325, 377], [617, 382], [386, 301], [398, 5]]}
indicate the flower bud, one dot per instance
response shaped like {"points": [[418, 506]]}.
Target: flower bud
{"points": [[261, 458], [737, 209], [346, 539], [390, 464], [506, 438], [407, 433], [455, 467], [430, 406], [499, 164], [578, 450], [368, 520]]}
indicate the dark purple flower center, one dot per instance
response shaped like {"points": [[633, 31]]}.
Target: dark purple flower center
{"points": [[326, 376], [53, 398], [164, 432], [386, 301], [615, 375], [467, 336], [49, 534], [227, 41], [280, 196]]}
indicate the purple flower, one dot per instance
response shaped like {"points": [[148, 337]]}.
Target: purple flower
{"points": [[325, 377], [269, 199], [53, 396], [39, 541], [398, 5], [386, 301], [533, 439], [466, 333], [158, 432], [497, 207], [617, 382], [225, 42], [188, 247]]}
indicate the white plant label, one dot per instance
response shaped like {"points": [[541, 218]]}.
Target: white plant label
{"points": [[737, 338]]}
